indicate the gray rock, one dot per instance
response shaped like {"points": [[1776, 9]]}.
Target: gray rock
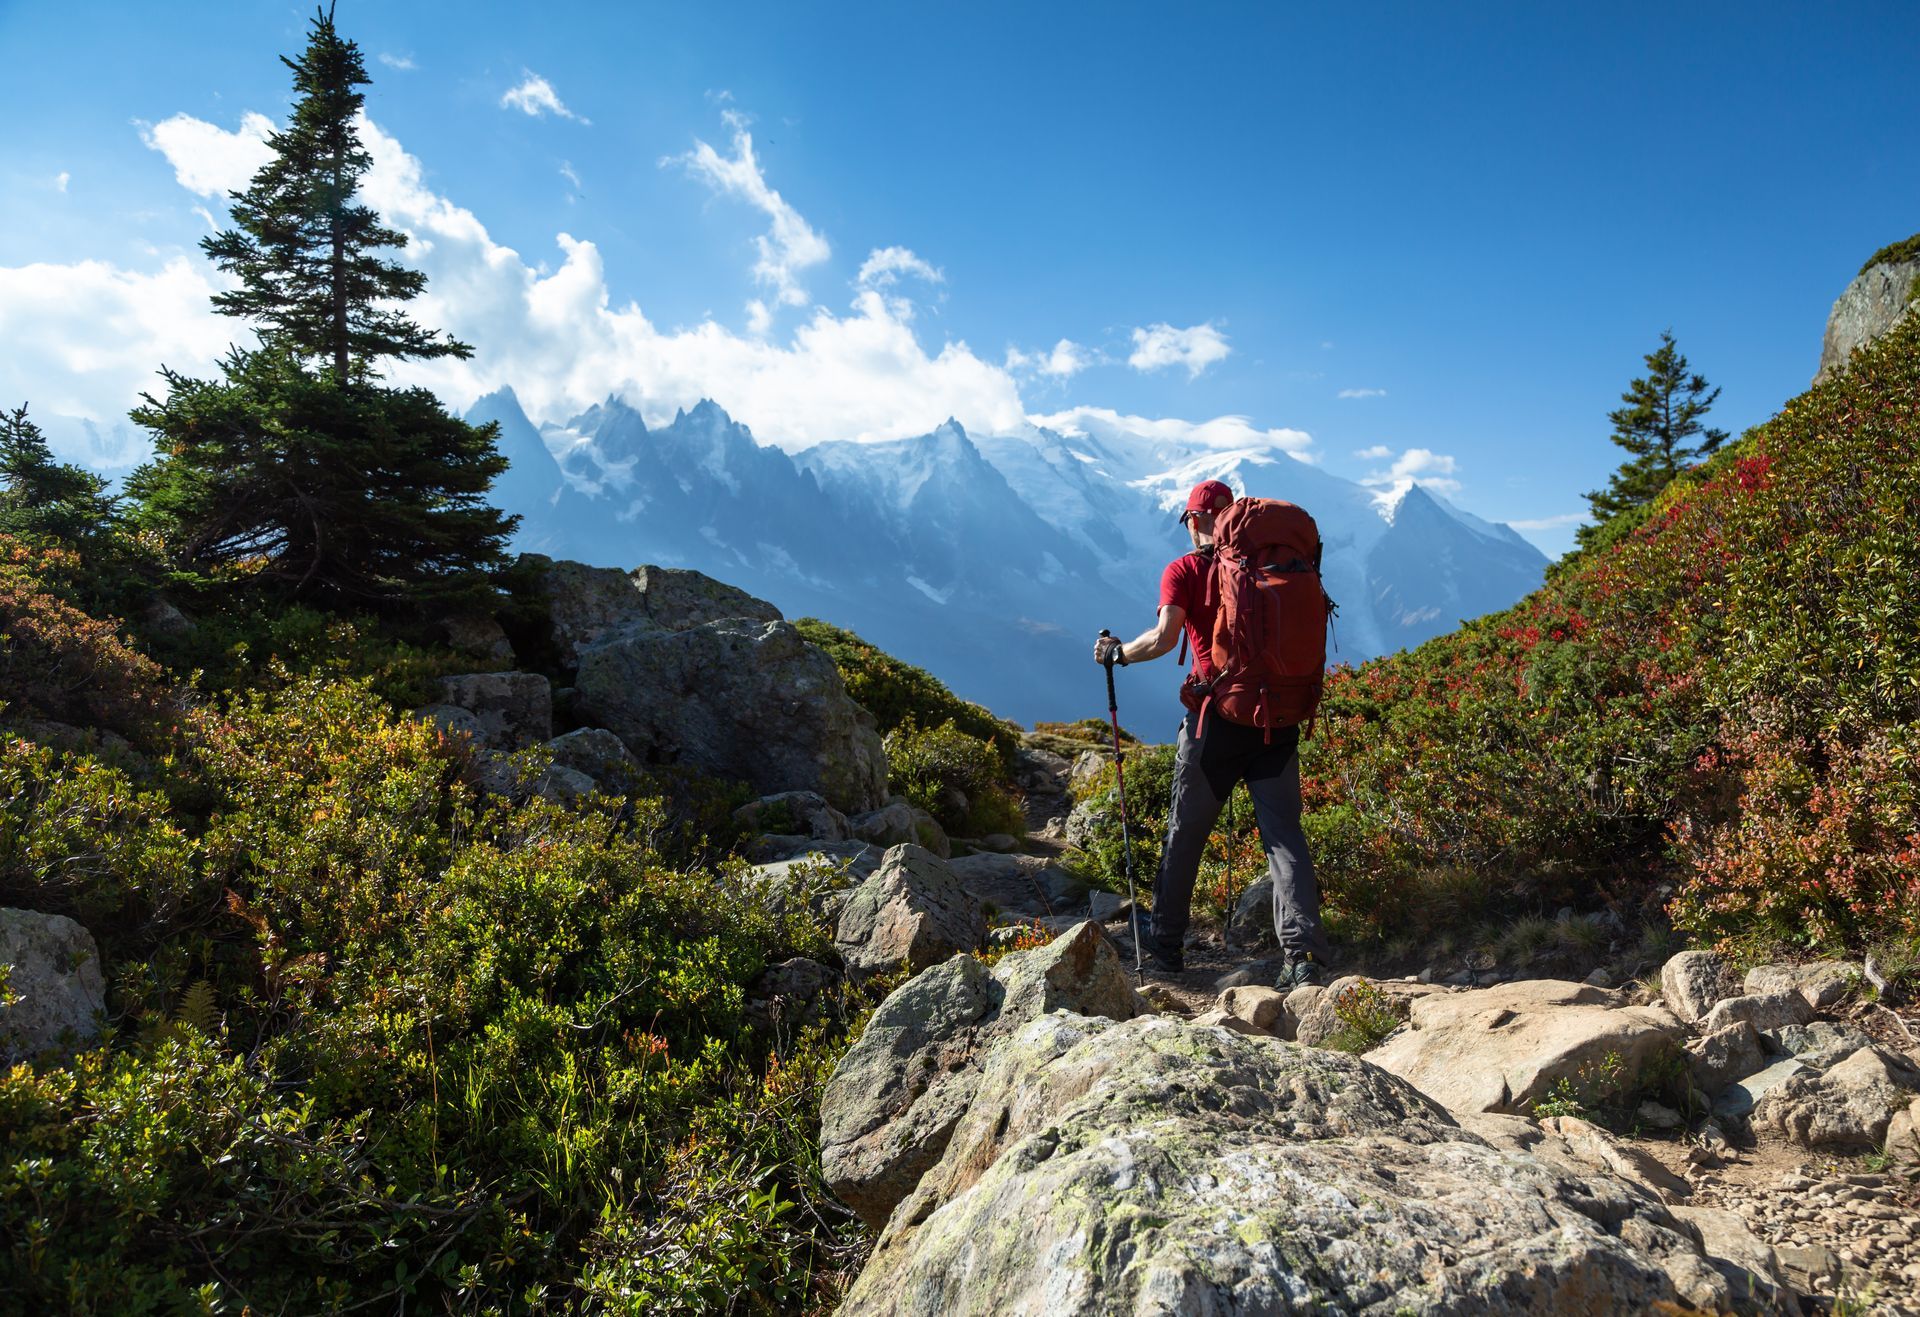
{"points": [[1105, 907], [1872, 304], [53, 990], [1738, 1098], [912, 911], [1694, 982], [1726, 1055], [1658, 1116], [585, 603], [508, 710], [1847, 1108], [897, 822], [1753, 1271], [739, 699], [1506, 1048], [1773, 1010], [1253, 915], [1027, 885], [898, 1091], [160, 618], [1826, 984], [799, 813], [999, 843], [1819, 1043], [599, 754], [1159, 1166], [479, 634]]}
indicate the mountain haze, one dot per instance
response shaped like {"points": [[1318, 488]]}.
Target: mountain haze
{"points": [[993, 559]]}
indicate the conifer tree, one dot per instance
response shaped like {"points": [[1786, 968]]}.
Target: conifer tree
{"points": [[299, 463], [305, 251], [1658, 425], [47, 501]]}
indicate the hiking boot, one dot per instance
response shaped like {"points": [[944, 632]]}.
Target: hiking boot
{"points": [[1161, 961], [1297, 971]]}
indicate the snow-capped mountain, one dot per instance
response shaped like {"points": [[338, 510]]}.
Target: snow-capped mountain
{"points": [[991, 560]]}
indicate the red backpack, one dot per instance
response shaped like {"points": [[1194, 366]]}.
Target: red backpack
{"points": [[1269, 645]]}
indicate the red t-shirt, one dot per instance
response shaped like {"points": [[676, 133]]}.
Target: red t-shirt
{"points": [[1184, 584]]}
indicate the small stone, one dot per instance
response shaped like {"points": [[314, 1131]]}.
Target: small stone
{"points": [[1654, 1115]]}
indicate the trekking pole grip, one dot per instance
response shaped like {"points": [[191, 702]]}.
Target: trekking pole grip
{"points": [[1113, 703]]}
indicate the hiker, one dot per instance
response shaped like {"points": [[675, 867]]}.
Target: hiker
{"points": [[1233, 733]]}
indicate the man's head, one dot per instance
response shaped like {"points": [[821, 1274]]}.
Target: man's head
{"points": [[1203, 504]]}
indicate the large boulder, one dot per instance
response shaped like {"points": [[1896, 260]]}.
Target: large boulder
{"points": [[1826, 984], [500, 711], [795, 813], [1876, 301], [1021, 884], [912, 911], [1725, 1055], [599, 754], [1693, 982], [1844, 1109], [899, 1090], [1506, 1047], [900, 821], [1159, 1166], [736, 698], [585, 603], [53, 993], [1764, 1011]]}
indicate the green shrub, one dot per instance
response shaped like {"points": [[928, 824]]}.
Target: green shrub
{"points": [[898, 694], [956, 777], [1367, 1016]]}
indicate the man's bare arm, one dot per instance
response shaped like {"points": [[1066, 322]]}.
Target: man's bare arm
{"points": [[1149, 644]]}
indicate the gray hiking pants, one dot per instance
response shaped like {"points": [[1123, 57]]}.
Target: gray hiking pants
{"points": [[1205, 771]]}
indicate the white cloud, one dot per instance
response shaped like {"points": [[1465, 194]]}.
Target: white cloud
{"points": [[566, 172], [884, 266], [90, 335], [1158, 346], [60, 181], [1065, 360], [1377, 453], [790, 245], [398, 63], [536, 96], [1362, 393], [209, 161], [85, 340], [1225, 433], [1559, 522], [1414, 466]]}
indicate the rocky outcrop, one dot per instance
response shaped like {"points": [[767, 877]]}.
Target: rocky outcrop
{"points": [[585, 603], [1159, 1166], [1847, 1108], [1876, 301], [53, 992], [911, 912], [897, 1093], [1505, 1048], [735, 698], [499, 711]]}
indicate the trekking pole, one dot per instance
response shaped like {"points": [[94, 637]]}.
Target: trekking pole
{"points": [[1120, 777]]}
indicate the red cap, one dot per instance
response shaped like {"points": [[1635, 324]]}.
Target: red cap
{"points": [[1207, 496]]}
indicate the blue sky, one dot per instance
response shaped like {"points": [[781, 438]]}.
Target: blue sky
{"points": [[1469, 221]]}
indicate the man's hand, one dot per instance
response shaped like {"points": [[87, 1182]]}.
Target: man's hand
{"points": [[1148, 644], [1107, 648]]}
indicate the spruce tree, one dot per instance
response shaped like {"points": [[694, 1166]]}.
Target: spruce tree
{"points": [[46, 501], [306, 253], [1658, 425], [299, 467]]}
